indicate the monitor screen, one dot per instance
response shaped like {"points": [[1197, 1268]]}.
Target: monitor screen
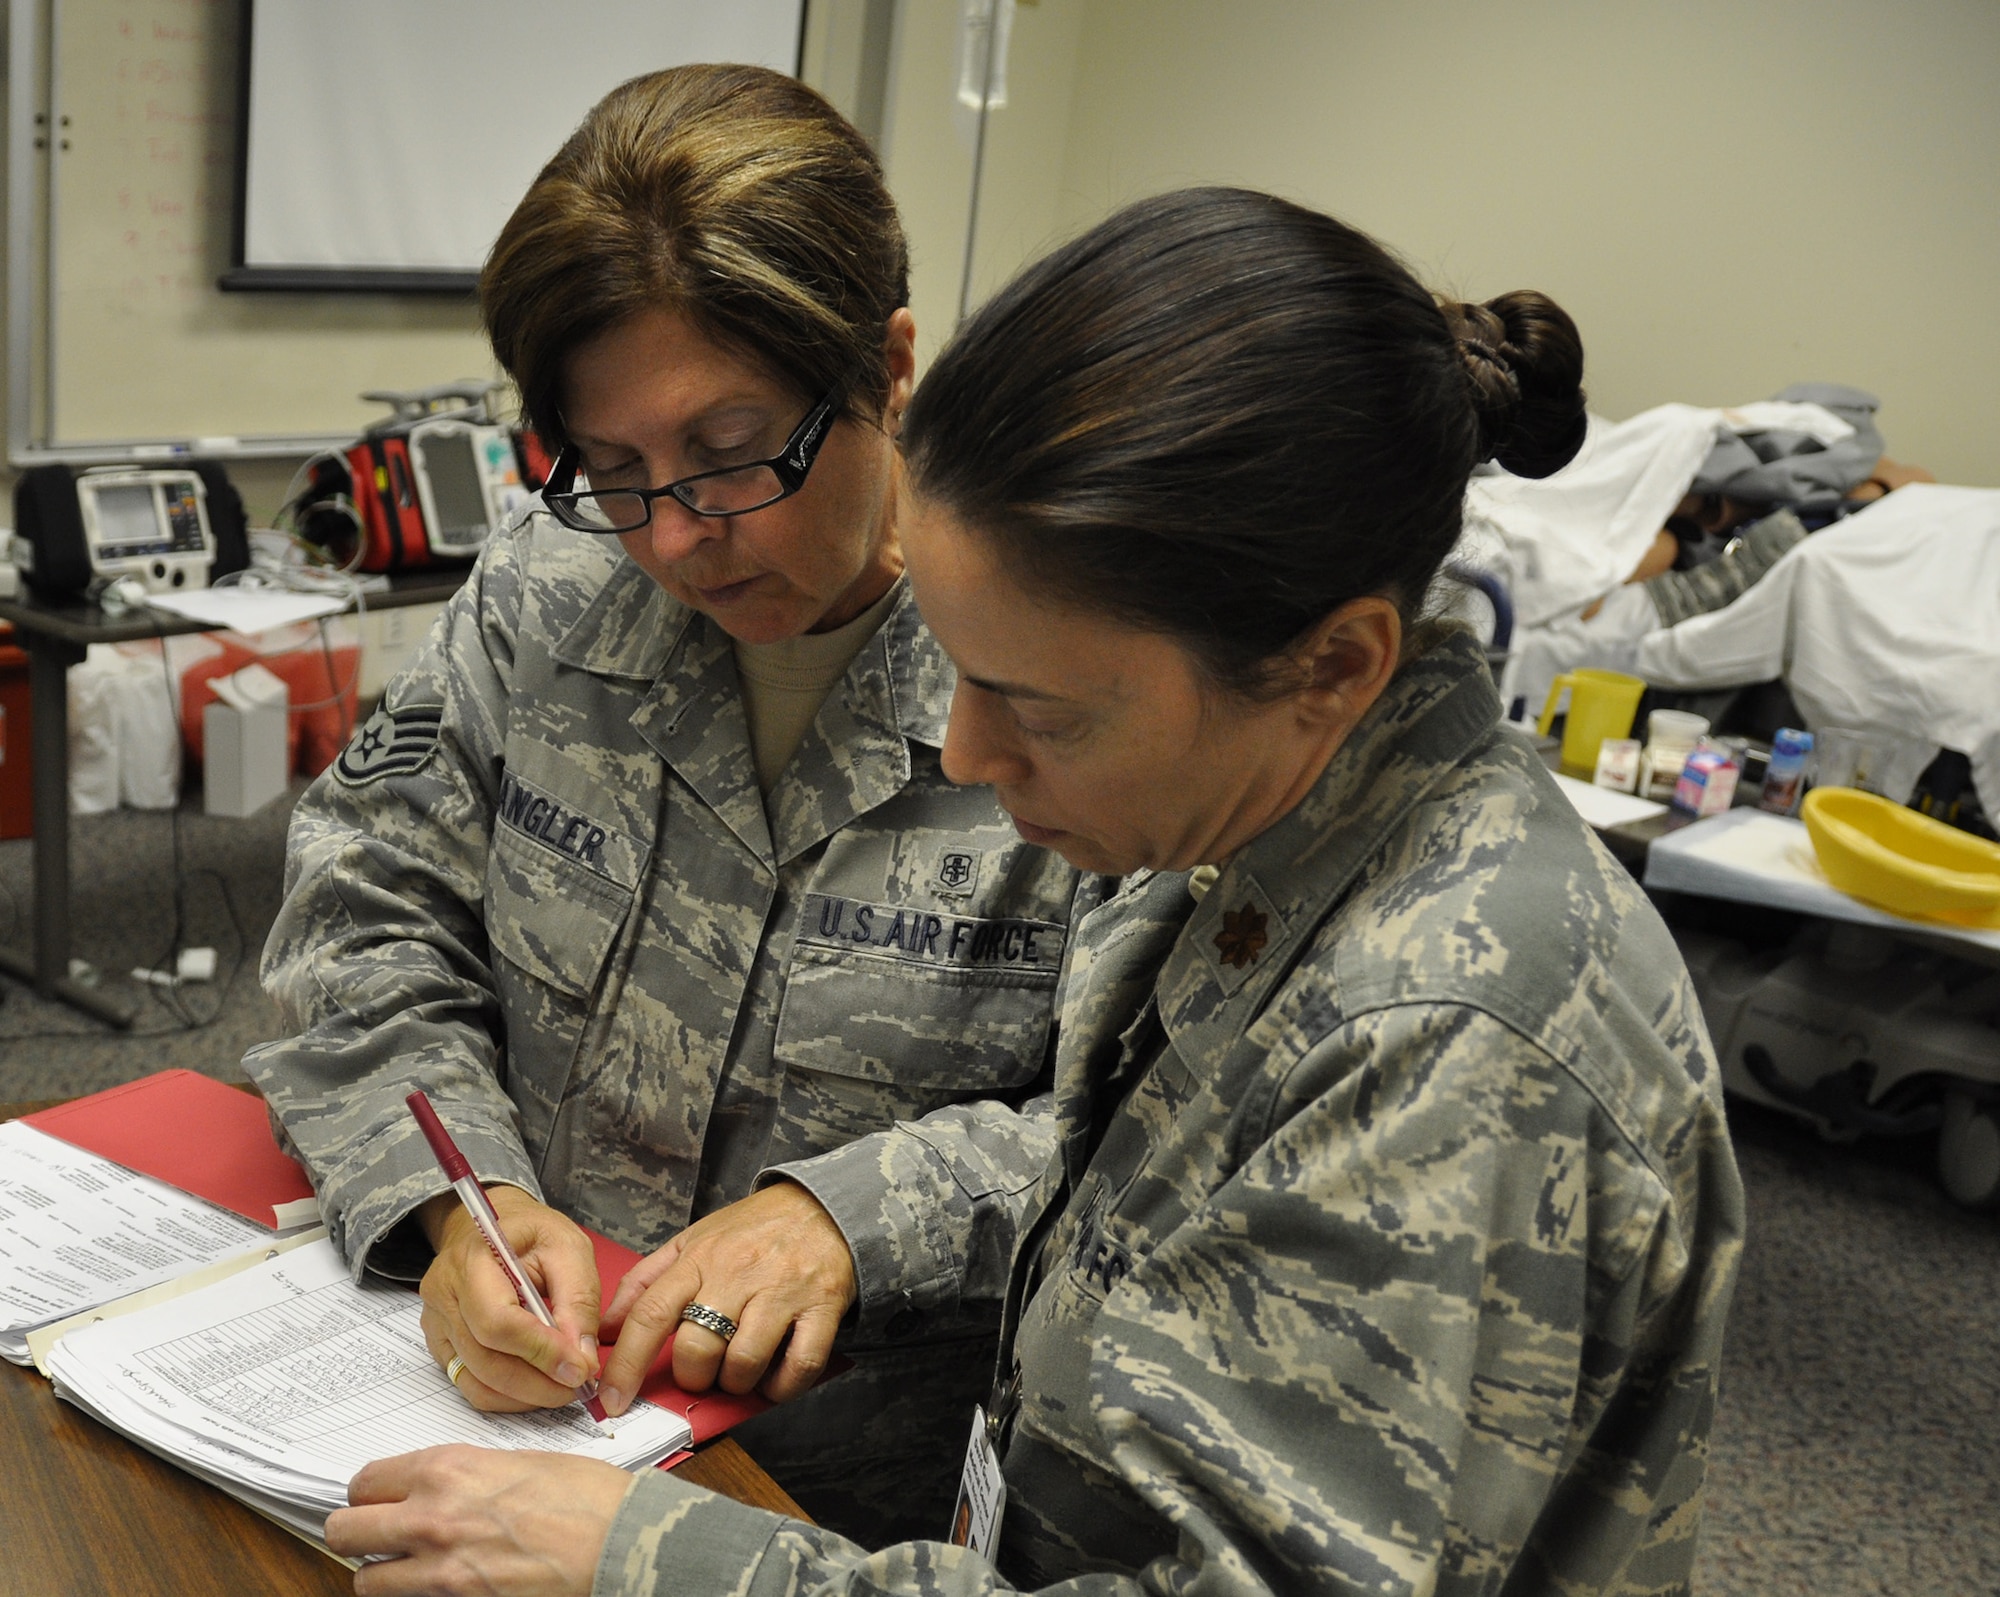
{"points": [[127, 516], [448, 462]]}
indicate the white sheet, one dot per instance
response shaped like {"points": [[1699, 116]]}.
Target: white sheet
{"points": [[286, 1379], [247, 610], [1559, 542], [1562, 542], [77, 1230], [1604, 806], [1788, 415], [1888, 620]]}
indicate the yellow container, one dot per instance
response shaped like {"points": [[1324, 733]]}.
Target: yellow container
{"points": [[1888, 855], [1601, 705]]}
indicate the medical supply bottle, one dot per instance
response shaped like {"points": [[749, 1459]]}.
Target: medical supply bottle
{"points": [[1786, 773], [1671, 736], [1707, 783]]}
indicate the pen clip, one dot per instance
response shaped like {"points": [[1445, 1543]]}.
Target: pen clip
{"points": [[449, 1158]]}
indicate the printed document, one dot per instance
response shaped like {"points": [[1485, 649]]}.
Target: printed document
{"points": [[281, 1382], [77, 1230]]}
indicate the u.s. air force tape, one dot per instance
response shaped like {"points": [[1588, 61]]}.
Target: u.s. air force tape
{"points": [[390, 743], [918, 936]]}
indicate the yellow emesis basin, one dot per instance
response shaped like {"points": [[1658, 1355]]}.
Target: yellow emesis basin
{"points": [[1890, 856]]}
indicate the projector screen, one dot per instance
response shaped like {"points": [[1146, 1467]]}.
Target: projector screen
{"points": [[384, 142]]}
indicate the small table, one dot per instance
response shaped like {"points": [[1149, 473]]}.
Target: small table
{"points": [[82, 1509], [56, 635]]}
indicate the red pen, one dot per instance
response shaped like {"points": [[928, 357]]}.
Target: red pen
{"points": [[480, 1207]]}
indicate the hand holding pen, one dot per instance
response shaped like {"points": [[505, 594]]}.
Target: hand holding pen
{"points": [[466, 1332]]}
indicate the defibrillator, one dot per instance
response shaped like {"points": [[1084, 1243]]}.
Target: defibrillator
{"points": [[170, 528], [426, 486]]}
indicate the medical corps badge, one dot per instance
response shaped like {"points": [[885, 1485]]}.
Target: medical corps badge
{"points": [[390, 743], [957, 872]]}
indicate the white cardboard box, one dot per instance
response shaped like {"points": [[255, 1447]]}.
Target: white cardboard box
{"points": [[243, 742]]}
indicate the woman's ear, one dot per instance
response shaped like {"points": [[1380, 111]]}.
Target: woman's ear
{"points": [[899, 347], [1346, 661]]}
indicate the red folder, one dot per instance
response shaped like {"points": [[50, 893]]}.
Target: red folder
{"points": [[708, 1413], [190, 1131]]}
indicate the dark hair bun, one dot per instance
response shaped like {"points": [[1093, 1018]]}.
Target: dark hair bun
{"points": [[1525, 359]]}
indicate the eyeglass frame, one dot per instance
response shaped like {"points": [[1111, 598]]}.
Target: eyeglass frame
{"points": [[791, 465]]}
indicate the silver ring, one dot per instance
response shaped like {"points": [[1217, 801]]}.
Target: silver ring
{"points": [[454, 1369], [709, 1320]]}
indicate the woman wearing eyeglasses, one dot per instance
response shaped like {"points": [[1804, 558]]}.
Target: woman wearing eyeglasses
{"points": [[646, 872], [1395, 1221]]}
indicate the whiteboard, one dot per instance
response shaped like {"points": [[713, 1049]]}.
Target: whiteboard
{"points": [[397, 135], [120, 225]]}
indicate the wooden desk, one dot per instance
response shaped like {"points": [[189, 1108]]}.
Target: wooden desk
{"points": [[84, 1510], [56, 636]]}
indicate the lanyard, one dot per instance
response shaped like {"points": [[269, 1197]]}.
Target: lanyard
{"points": [[1005, 1400], [1147, 1039]]}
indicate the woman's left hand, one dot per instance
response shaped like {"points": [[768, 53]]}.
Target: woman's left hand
{"points": [[775, 1262], [473, 1519]]}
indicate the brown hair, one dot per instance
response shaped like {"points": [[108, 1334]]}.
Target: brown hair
{"points": [[1221, 416], [732, 195]]}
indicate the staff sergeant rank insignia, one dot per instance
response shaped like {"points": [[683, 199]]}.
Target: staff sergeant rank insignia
{"points": [[390, 743]]}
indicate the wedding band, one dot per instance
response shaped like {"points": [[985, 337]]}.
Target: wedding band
{"points": [[454, 1369], [709, 1320]]}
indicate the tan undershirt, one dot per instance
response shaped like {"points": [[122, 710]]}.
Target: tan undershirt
{"points": [[784, 683]]}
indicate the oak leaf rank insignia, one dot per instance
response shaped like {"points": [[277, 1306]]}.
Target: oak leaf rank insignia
{"points": [[1243, 936]]}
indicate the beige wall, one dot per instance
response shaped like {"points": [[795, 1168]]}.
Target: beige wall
{"points": [[929, 141], [147, 346], [1728, 197], [927, 153]]}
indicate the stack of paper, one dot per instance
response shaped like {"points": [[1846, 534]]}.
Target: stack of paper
{"points": [[278, 1384], [77, 1231]]}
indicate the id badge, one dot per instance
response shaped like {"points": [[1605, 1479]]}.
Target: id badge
{"points": [[982, 1494]]}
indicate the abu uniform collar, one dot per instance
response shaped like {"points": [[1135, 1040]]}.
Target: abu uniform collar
{"points": [[629, 626], [856, 755], [1248, 930], [854, 758]]}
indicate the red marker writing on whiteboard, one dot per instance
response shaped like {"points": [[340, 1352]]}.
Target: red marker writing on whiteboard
{"points": [[480, 1207]]}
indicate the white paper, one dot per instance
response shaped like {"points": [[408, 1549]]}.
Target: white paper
{"points": [[43, 1338], [1757, 858], [77, 1230], [247, 609], [1603, 806], [287, 1378]]}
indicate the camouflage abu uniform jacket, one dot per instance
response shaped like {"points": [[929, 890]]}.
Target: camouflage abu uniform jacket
{"points": [[1391, 1238], [541, 884]]}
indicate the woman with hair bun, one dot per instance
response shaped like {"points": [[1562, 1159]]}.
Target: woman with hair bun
{"points": [[1394, 1221]]}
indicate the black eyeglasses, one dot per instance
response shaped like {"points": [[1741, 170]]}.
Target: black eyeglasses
{"points": [[730, 491]]}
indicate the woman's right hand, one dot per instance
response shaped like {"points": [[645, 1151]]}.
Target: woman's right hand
{"points": [[512, 1361]]}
